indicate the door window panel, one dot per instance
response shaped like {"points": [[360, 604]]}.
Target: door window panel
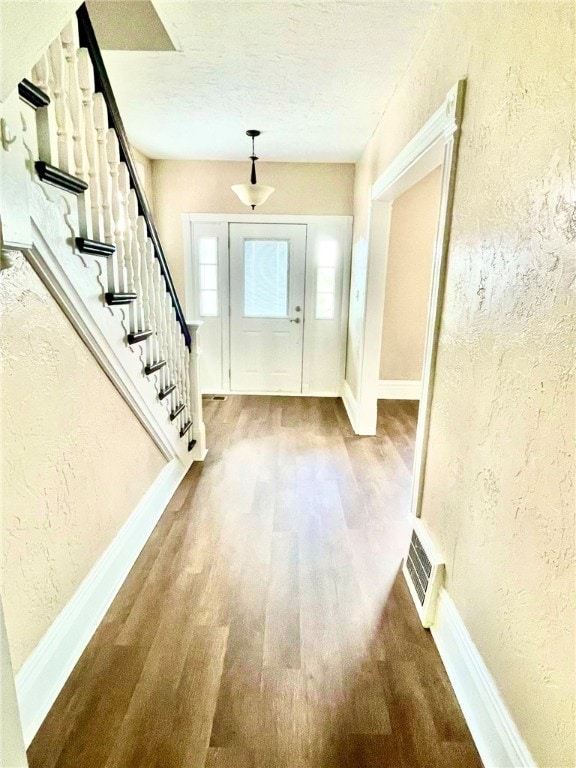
{"points": [[209, 304], [326, 280], [266, 276], [208, 276], [324, 306]]}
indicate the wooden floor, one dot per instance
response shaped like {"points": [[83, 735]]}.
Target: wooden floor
{"points": [[265, 624]]}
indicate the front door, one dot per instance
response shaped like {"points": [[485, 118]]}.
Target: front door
{"points": [[267, 271]]}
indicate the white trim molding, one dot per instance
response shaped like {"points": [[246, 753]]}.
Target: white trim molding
{"points": [[350, 404], [324, 340], [494, 732], [399, 389], [435, 145], [46, 670]]}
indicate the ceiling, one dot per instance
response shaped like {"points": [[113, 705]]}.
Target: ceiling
{"points": [[314, 77]]}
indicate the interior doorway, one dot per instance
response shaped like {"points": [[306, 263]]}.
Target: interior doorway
{"points": [[413, 228], [434, 147]]}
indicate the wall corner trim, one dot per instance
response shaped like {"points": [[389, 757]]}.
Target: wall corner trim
{"points": [[494, 732], [46, 670], [350, 404], [389, 389]]}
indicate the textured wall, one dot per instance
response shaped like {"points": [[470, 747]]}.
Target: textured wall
{"points": [[75, 460], [413, 226], [498, 496], [197, 186]]}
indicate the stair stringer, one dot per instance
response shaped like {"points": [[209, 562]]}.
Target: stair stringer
{"points": [[76, 285]]}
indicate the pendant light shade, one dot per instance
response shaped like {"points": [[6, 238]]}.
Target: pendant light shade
{"points": [[252, 194]]}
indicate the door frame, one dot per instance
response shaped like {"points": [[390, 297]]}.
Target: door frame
{"points": [[336, 224], [436, 144]]}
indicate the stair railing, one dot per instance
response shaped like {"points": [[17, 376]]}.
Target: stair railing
{"points": [[83, 148]]}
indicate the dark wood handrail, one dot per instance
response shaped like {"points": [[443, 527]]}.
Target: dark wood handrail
{"points": [[88, 40]]}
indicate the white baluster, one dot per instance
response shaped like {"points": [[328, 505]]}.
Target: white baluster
{"points": [[143, 241], [187, 377], [136, 261], [178, 361], [86, 81], [166, 307], [68, 41], [182, 365], [46, 124], [70, 44], [58, 84], [198, 428], [173, 373], [119, 265], [160, 328], [101, 126], [150, 259], [124, 187]]}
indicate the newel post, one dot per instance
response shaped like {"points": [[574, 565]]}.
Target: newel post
{"points": [[198, 429]]}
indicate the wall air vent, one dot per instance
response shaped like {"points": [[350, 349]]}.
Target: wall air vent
{"points": [[424, 571]]}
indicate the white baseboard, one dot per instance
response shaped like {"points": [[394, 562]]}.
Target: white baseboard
{"points": [[350, 404], [265, 393], [45, 671], [399, 390], [491, 725]]}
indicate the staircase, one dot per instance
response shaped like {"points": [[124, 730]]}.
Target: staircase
{"points": [[74, 206]]}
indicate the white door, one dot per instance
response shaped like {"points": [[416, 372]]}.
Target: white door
{"points": [[267, 271]]}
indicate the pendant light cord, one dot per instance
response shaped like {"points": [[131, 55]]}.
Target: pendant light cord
{"points": [[253, 158]]}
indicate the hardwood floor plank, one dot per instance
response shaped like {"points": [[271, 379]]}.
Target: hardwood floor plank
{"points": [[266, 623], [237, 718], [282, 628], [223, 757], [186, 744]]}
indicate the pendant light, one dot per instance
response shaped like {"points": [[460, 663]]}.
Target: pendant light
{"points": [[253, 194]]}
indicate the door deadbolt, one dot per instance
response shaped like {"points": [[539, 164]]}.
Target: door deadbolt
{"points": [[298, 309]]}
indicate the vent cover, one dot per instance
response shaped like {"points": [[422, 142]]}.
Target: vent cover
{"points": [[424, 572]]}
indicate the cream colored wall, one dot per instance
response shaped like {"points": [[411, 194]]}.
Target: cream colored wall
{"points": [[146, 164], [413, 227], [12, 752], [198, 186], [498, 495], [75, 460]]}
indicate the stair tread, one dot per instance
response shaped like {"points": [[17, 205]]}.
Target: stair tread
{"points": [[185, 428], [137, 336], [51, 174], [113, 299], [32, 95], [165, 392], [94, 247], [153, 367], [179, 408]]}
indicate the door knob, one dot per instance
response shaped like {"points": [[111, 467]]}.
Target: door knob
{"points": [[294, 319]]}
